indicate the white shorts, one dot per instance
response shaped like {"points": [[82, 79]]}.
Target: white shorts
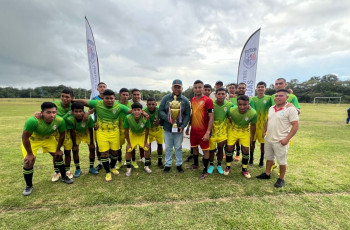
{"points": [[276, 149]]}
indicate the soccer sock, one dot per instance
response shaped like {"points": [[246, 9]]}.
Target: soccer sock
{"points": [[77, 164], [105, 163], [113, 161], [55, 168], [211, 162], [128, 164], [195, 160], [147, 161], [160, 157], [92, 161], [119, 152], [61, 168], [142, 153], [205, 164], [245, 159], [28, 176], [238, 148], [228, 165], [67, 168], [219, 163], [251, 156]]}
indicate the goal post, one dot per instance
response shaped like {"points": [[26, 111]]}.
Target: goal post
{"points": [[327, 100]]}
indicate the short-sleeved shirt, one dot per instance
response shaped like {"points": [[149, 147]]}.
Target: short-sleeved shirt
{"points": [[79, 126], [153, 116], [279, 121], [108, 118], [242, 121], [41, 129], [61, 111], [137, 127], [291, 99], [221, 112], [123, 115], [200, 117], [234, 101], [261, 106]]}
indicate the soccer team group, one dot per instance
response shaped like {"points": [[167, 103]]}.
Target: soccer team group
{"points": [[222, 122]]}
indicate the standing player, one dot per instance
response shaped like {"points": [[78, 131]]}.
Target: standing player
{"points": [[218, 84], [231, 91], [136, 132], [41, 134], [80, 132], [348, 118], [242, 130], [281, 83], [280, 118], [262, 103], [219, 132], [201, 125], [156, 130], [207, 90]]}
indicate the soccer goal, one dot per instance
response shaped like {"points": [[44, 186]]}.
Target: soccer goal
{"points": [[327, 100]]}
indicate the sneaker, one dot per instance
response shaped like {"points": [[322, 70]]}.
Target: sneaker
{"points": [[273, 166], [220, 171], [180, 169], [189, 158], [203, 176], [237, 158], [114, 171], [160, 165], [67, 180], [27, 191], [108, 176], [193, 167], [166, 169], [246, 174], [279, 183], [128, 172], [93, 171], [211, 169], [69, 174], [77, 173], [147, 169], [143, 160], [119, 165], [134, 164], [99, 167], [55, 177], [227, 171], [261, 164], [263, 176]]}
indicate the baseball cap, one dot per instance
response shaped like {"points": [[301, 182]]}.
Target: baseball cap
{"points": [[177, 82]]}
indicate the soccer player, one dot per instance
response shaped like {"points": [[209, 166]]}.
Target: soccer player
{"points": [[281, 83], [262, 103], [243, 130], [41, 134], [231, 91], [218, 84], [207, 90], [136, 132], [280, 118], [201, 125], [348, 118], [155, 131], [123, 99], [107, 134], [219, 132], [81, 132]]}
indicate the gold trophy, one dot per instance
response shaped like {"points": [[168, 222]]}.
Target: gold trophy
{"points": [[174, 107]]}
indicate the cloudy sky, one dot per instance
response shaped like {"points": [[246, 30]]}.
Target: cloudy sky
{"points": [[146, 44]]}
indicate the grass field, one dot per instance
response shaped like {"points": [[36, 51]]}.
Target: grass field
{"points": [[316, 196]]}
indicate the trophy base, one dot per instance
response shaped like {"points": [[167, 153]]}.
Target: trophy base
{"points": [[175, 130]]}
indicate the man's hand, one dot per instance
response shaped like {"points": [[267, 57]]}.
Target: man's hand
{"points": [[29, 159], [146, 145], [284, 141], [38, 115], [86, 117], [95, 126], [58, 153], [188, 131], [75, 148], [92, 146], [145, 114], [232, 95], [156, 122], [180, 129], [206, 136], [128, 147]]}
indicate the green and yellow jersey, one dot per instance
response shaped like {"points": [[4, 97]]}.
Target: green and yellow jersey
{"points": [[291, 99], [261, 106], [234, 101], [152, 117], [79, 126], [136, 127], [61, 111], [41, 129], [241, 122]]}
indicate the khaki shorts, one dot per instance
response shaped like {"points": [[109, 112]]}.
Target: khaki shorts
{"points": [[276, 149]]}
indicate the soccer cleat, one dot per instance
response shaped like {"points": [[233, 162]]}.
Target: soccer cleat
{"points": [[134, 164], [108, 176], [128, 172], [147, 169], [143, 160], [211, 169], [114, 171], [99, 167], [69, 174], [263, 176], [77, 173], [203, 176], [227, 171], [166, 169], [279, 183], [193, 167], [119, 165], [246, 174], [56, 177], [180, 169], [93, 171], [237, 158], [27, 191], [160, 165], [220, 171], [273, 166], [67, 180]]}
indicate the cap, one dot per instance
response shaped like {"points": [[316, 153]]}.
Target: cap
{"points": [[177, 82]]}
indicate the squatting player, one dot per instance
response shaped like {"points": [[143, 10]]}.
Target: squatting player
{"points": [[242, 130], [41, 134]]}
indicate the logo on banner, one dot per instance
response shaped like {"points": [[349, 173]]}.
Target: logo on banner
{"points": [[250, 57], [91, 51]]}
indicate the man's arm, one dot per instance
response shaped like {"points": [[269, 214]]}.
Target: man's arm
{"points": [[187, 114], [146, 138], [252, 132], [293, 131], [210, 126], [91, 144], [128, 145], [265, 129], [162, 113], [74, 140], [29, 158], [82, 101]]}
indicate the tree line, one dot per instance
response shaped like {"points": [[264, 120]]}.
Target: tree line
{"points": [[326, 86]]}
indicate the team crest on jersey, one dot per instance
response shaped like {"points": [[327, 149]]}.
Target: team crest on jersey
{"points": [[201, 102], [114, 111], [83, 124], [70, 112], [246, 118], [142, 125], [265, 101], [250, 57], [225, 109], [54, 127]]}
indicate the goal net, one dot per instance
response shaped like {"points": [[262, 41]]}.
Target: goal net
{"points": [[327, 100]]}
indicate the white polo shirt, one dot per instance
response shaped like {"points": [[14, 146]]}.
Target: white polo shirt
{"points": [[279, 122]]}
